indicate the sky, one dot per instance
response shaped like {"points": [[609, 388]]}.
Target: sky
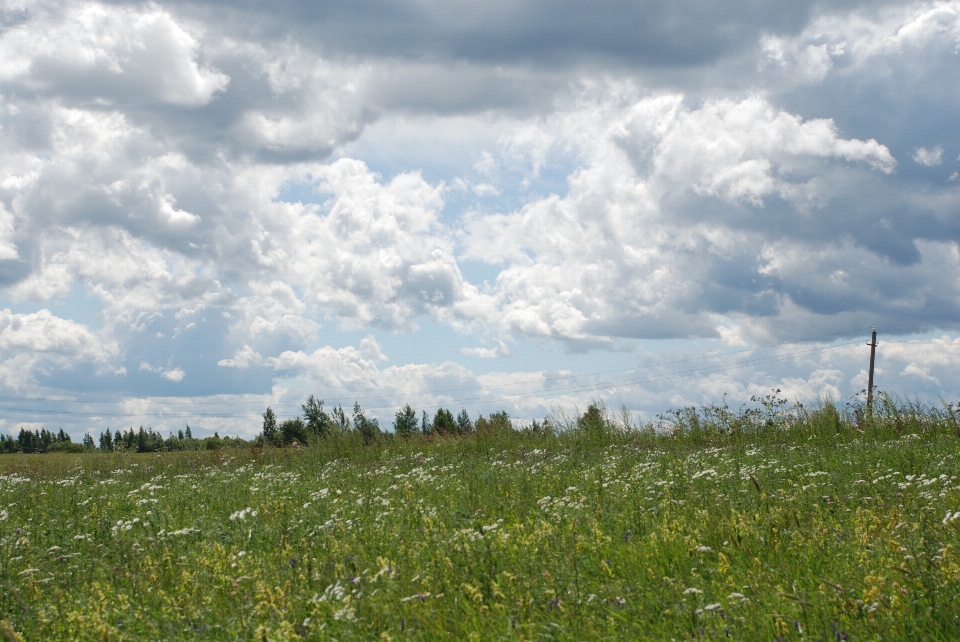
{"points": [[207, 208]]}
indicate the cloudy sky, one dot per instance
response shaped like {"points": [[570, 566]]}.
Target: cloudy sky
{"points": [[206, 208]]}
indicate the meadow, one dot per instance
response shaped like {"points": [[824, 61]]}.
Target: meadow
{"points": [[767, 524]]}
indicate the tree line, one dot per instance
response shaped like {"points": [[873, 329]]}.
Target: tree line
{"points": [[144, 440], [315, 423]]}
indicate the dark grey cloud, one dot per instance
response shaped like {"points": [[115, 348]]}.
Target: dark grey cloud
{"points": [[687, 32]]}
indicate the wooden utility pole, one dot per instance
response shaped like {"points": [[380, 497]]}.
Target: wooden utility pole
{"points": [[873, 356]]}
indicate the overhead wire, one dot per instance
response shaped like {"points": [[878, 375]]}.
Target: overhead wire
{"points": [[713, 369], [541, 380]]}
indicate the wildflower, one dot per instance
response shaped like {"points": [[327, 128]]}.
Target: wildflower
{"points": [[242, 514], [693, 591], [704, 549]]}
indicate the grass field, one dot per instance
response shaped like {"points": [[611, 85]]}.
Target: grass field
{"points": [[807, 527]]}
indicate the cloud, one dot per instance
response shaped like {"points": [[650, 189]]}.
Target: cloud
{"points": [[40, 344], [176, 375], [623, 255], [376, 254], [500, 349], [928, 157], [370, 349], [913, 370], [650, 33], [244, 358], [108, 53]]}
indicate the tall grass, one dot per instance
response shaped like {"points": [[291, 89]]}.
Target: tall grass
{"points": [[771, 521]]}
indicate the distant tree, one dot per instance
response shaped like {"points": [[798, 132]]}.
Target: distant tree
{"points": [[540, 428], [497, 421], [29, 442], [189, 435], [464, 425], [318, 421], [340, 421], [425, 426], [405, 423], [46, 439], [88, 442], [369, 429], [106, 441], [8, 444], [293, 430], [592, 421], [500, 421], [63, 437], [269, 432], [443, 422]]}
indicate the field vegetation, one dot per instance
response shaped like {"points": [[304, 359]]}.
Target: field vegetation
{"points": [[767, 522]]}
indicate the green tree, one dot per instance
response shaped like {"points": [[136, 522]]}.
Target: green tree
{"points": [[88, 442], [340, 421], [405, 423], [318, 421], [592, 422], [293, 430], [369, 429], [269, 432], [29, 441], [425, 426], [464, 425], [106, 441], [443, 422]]}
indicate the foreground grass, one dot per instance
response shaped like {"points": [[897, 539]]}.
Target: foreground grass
{"points": [[807, 532]]}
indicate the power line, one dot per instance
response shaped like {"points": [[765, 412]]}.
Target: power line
{"points": [[655, 378], [442, 391], [486, 399]]}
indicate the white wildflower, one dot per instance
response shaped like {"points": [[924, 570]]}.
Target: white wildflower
{"points": [[242, 514]]}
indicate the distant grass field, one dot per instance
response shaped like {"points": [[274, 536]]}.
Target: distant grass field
{"points": [[808, 529]]}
